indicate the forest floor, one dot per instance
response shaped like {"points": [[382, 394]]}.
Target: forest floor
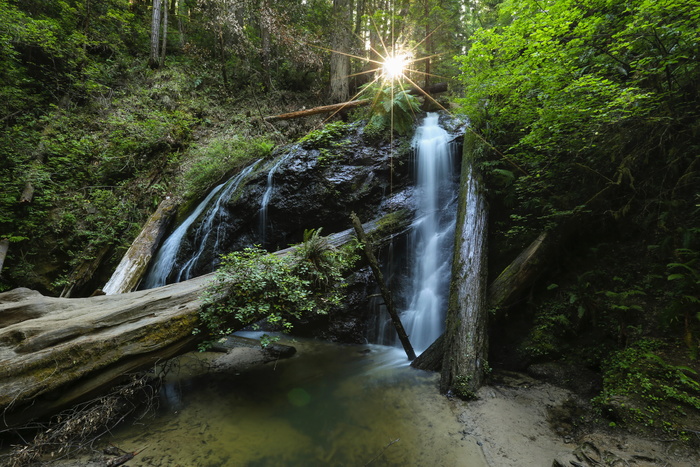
{"points": [[518, 421]]}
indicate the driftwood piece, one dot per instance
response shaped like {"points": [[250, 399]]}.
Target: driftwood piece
{"points": [[386, 294], [133, 265]]}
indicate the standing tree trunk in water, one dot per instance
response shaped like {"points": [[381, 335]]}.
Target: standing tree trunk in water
{"points": [[154, 58], [465, 340], [341, 43]]}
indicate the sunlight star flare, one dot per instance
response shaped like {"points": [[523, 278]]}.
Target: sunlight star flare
{"points": [[394, 66]]}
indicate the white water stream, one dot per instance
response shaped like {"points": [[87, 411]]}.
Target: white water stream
{"points": [[262, 212], [431, 239], [164, 264]]}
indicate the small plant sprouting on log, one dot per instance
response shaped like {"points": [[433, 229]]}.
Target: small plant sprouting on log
{"points": [[253, 285]]}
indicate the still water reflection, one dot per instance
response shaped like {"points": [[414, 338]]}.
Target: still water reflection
{"points": [[329, 405]]}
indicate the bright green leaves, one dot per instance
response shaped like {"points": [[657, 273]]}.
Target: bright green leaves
{"points": [[252, 285], [393, 109]]}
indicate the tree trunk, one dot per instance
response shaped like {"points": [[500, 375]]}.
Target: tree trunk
{"points": [[386, 294], [4, 247], [165, 33], [341, 44], [466, 340], [134, 263], [265, 43], [56, 351], [180, 26], [153, 60]]}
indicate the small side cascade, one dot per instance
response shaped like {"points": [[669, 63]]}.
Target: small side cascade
{"points": [[431, 240], [164, 268], [262, 212]]}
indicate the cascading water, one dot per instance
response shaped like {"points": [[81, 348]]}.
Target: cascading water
{"points": [[164, 268], [431, 239], [262, 212]]}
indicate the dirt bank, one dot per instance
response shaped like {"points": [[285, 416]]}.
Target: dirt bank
{"points": [[519, 421]]}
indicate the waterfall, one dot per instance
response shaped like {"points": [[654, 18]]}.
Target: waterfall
{"points": [[164, 267], [431, 239], [262, 212]]}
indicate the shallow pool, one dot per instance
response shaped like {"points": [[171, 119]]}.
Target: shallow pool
{"points": [[329, 405]]}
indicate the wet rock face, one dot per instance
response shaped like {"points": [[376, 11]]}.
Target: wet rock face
{"points": [[315, 185]]}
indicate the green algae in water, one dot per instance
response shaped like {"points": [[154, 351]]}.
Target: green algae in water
{"points": [[329, 405]]}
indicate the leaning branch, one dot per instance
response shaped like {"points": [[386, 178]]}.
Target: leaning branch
{"points": [[386, 294]]}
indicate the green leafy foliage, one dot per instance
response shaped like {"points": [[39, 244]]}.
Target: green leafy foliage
{"points": [[252, 285], [329, 136], [591, 94], [393, 109], [645, 388]]}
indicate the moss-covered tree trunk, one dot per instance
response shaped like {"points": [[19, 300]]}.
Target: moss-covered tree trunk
{"points": [[465, 339]]}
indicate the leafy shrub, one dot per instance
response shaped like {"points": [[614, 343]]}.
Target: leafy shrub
{"points": [[326, 137], [393, 109], [252, 285]]}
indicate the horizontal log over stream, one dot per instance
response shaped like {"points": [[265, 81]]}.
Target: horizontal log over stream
{"points": [[56, 351]]}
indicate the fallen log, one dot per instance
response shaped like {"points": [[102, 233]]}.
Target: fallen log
{"points": [[56, 351], [324, 109], [320, 110], [133, 265]]}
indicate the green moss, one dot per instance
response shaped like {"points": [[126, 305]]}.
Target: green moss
{"points": [[328, 136]]}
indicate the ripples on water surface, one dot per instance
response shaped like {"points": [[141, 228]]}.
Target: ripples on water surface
{"points": [[329, 405]]}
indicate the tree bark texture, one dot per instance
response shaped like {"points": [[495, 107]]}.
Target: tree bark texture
{"points": [[341, 44], [4, 247], [164, 44], [154, 58], [466, 340], [133, 265], [386, 294]]}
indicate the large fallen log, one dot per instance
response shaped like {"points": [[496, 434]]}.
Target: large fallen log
{"points": [[57, 351], [320, 110]]}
